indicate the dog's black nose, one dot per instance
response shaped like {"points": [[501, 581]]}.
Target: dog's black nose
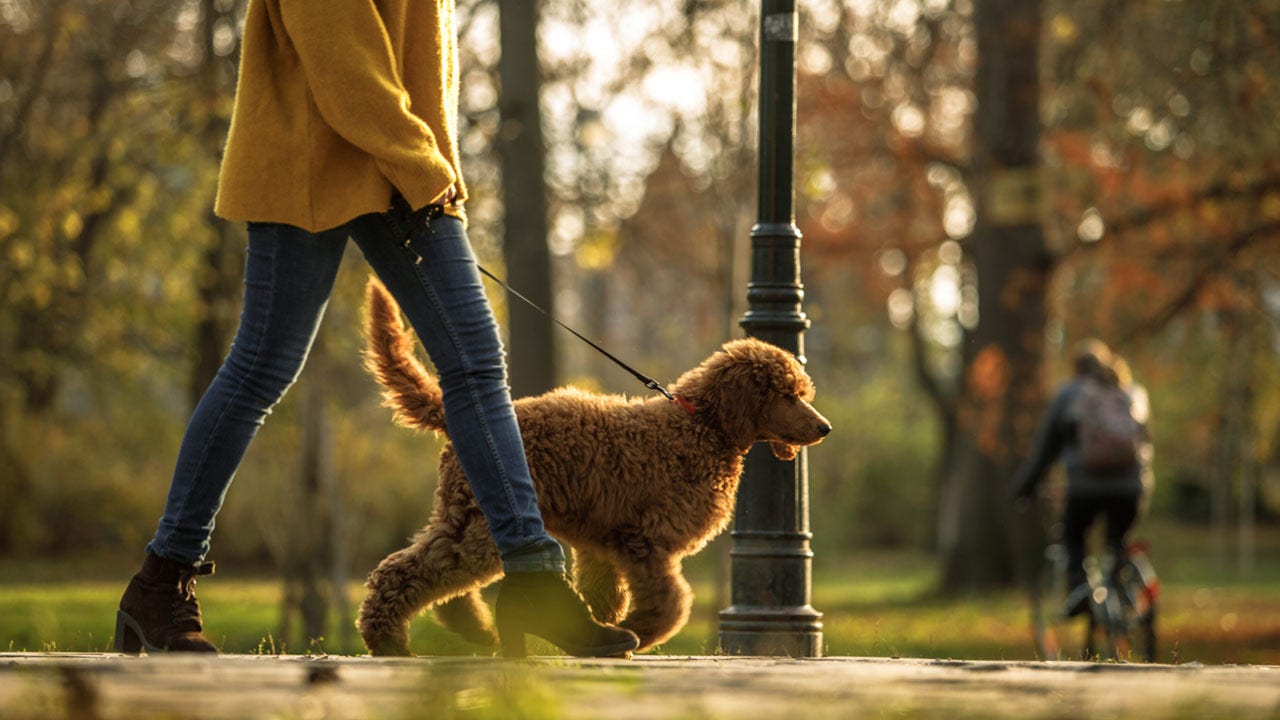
{"points": [[824, 429]]}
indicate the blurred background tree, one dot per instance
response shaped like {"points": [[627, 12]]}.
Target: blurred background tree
{"points": [[1140, 136]]}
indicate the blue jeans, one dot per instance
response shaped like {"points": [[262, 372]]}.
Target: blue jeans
{"points": [[289, 274]]}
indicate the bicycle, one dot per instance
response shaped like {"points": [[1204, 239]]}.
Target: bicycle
{"points": [[1121, 609]]}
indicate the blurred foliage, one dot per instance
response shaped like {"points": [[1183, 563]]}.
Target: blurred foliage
{"points": [[873, 489], [102, 186]]}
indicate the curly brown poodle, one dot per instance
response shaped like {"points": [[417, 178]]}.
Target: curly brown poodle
{"points": [[632, 485]]}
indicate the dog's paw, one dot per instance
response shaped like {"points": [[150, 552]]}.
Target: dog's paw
{"points": [[387, 647]]}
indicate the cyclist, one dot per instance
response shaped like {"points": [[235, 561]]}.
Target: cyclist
{"points": [[1097, 486]]}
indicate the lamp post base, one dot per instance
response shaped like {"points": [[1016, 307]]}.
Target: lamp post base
{"points": [[771, 631]]}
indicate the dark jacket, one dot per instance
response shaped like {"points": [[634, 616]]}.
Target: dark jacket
{"points": [[1056, 438]]}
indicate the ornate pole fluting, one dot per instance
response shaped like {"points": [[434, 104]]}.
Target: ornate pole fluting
{"points": [[771, 560]]}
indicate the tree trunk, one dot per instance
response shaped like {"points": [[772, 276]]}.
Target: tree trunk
{"points": [[218, 287], [310, 547], [524, 239], [1001, 391], [218, 284], [1232, 471], [16, 492], [317, 467]]}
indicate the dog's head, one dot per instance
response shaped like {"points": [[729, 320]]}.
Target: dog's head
{"points": [[756, 392]]}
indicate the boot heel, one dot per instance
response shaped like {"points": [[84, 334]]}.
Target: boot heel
{"points": [[511, 636], [128, 636]]}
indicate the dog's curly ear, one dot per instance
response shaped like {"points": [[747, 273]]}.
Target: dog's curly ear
{"points": [[784, 451], [736, 400]]}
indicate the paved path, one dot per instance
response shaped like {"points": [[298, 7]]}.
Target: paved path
{"points": [[106, 686]]}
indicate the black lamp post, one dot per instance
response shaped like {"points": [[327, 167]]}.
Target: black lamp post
{"points": [[771, 561]]}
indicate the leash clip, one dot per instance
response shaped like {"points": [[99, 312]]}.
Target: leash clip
{"points": [[654, 385]]}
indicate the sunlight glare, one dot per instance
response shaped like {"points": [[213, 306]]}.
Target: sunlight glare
{"points": [[950, 252], [824, 14], [893, 262], [909, 120], [1091, 226], [901, 308], [677, 86], [567, 228], [903, 16], [944, 290], [958, 217], [815, 59]]}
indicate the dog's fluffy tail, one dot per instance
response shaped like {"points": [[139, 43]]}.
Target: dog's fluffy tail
{"points": [[389, 355]]}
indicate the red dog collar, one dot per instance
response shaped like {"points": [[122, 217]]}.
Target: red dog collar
{"points": [[683, 402]]}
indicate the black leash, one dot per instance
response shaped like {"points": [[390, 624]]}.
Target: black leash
{"points": [[645, 379], [424, 216]]}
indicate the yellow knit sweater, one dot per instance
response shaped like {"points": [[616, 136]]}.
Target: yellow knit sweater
{"points": [[338, 102]]}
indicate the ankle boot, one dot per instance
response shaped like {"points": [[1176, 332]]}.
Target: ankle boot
{"points": [[159, 610], [543, 604]]}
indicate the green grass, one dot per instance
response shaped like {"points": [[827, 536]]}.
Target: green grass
{"points": [[874, 604]]}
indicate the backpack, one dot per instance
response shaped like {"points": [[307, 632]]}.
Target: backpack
{"points": [[1108, 436]]}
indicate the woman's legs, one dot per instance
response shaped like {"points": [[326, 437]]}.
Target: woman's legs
{"points": [[1121, 514], [1078, 515], [434, 279], [289, 274]]}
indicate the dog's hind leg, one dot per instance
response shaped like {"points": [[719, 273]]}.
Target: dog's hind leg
{"points": [[660, 600], [452, 557], [601, 585]]}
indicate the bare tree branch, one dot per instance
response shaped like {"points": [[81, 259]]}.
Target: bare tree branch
{"points": [[1237, 244], [1219, 190]]}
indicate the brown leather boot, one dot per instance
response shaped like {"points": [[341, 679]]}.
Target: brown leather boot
{"points": [[543, 604], [159, 610]]}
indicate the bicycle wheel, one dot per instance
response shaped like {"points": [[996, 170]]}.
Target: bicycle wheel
{"points": [[1138, 589], [1049, 624], [1123, 614], [1107, 636]]}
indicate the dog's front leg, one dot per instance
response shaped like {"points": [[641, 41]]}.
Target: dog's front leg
{"points": [[601, 585], [660, 600]]}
